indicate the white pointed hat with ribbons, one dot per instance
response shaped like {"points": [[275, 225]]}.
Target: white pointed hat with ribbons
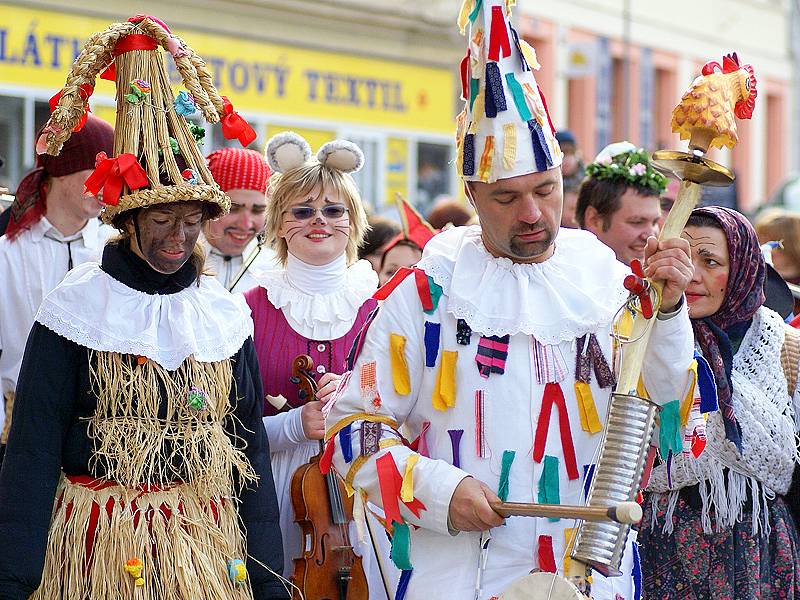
{"points": [[505, 129]]}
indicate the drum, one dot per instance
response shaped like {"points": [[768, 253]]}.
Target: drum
{"points": [[542, 586]]}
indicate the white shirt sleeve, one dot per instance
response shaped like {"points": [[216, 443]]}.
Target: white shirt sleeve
{"points": [[668, 357], [285, 430]]}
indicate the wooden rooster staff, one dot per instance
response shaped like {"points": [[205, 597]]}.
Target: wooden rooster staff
{"points": [[704, 116]]}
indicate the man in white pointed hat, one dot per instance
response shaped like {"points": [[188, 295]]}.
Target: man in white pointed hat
{"points": [[476, 355]]}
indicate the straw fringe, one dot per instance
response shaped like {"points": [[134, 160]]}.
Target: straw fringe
{"points": [[145, 431], [184, 545]]}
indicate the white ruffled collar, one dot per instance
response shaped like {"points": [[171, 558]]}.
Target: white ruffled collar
{"points": [[93, 309], [326, 315], [572, 293]]}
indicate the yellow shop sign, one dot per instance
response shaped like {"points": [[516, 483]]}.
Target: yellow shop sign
{"points": [[37, 47]]}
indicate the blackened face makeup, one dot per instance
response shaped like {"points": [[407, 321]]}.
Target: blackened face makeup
{"points": [[165, 235]]}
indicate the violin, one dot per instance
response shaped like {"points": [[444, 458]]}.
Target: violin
{"points": [[328, 569]]}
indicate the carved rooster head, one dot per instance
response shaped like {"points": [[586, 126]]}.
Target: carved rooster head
{"points": [[744, 86]]}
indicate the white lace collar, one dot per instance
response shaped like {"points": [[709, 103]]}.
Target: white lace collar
{"points": [[572, 293], [321, 316], [93, 309]]}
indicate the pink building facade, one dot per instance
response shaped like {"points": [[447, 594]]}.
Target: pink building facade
{"points": [[606, 102]]}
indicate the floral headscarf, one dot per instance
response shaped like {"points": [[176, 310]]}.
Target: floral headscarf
{"points": [[743, 297]]}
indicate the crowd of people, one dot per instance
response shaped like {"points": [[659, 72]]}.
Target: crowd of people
{"points": [[181, 335]]}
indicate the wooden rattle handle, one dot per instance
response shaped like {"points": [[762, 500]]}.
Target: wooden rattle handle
{"points": [[624, 512]]}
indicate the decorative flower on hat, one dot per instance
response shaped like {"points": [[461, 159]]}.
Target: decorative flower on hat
{"points": [[198, 133], [197, 399], [622, 161], [185, 104], [133, 567], [190, 175], [139, 90], [237, 572], [173, 144]]}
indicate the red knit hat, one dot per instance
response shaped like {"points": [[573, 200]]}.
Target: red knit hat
{"points": [[79, 154], [239, 169]]}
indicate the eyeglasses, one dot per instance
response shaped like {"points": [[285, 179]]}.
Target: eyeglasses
{"points": [[329, 211]]}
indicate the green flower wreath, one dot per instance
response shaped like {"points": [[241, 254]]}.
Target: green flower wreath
{"points": [[633, 167]]}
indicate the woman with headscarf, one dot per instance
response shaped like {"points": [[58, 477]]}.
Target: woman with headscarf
{"points": [[717, 523]]}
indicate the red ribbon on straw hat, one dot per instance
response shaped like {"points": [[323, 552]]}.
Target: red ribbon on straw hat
{"points": [[234, 126], [112, 173], [85, 90]]}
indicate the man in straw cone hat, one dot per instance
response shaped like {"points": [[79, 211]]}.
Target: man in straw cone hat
{"points": [[137, 466], [494, 353]]}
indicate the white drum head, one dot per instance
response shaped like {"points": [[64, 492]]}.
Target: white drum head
{"points": [[542, 586]]}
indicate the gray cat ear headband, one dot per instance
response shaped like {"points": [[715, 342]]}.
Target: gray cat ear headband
{"points": [[289, 150]]}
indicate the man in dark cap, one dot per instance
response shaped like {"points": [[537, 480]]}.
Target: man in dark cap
{"points": [[572, 170], [52, 228]]}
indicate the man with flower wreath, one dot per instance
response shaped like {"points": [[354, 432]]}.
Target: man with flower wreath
{"points": [[137, 465], [619, 200]]}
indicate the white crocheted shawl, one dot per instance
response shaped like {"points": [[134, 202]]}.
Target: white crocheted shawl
{"points": [[765, 412]]}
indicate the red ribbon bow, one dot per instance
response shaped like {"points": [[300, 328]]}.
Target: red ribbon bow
{"points": [[637, 286], [234, 127], [112, 173], [85, 90]]}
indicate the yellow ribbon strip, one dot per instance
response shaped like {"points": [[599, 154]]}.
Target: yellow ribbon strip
{"points": [[688, 399], [509, 145], [400, 376], [569, 542], [361, 459], [485, 168], [407, 489], [530, 55], [478, 109], [444, 392], [463, 14], [641, 390], [587, 409]]}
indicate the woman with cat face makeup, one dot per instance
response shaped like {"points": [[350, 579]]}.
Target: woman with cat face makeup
{"points": [[314, 304]]}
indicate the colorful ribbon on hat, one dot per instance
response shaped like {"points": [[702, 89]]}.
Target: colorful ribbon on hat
{"points": [[234, 126], [498, 35], [112, 173], [85, 90]]}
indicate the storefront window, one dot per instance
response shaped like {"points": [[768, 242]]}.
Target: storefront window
{"points": [[41, 113], [368, 178], [11, 141], [433, 174]]}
